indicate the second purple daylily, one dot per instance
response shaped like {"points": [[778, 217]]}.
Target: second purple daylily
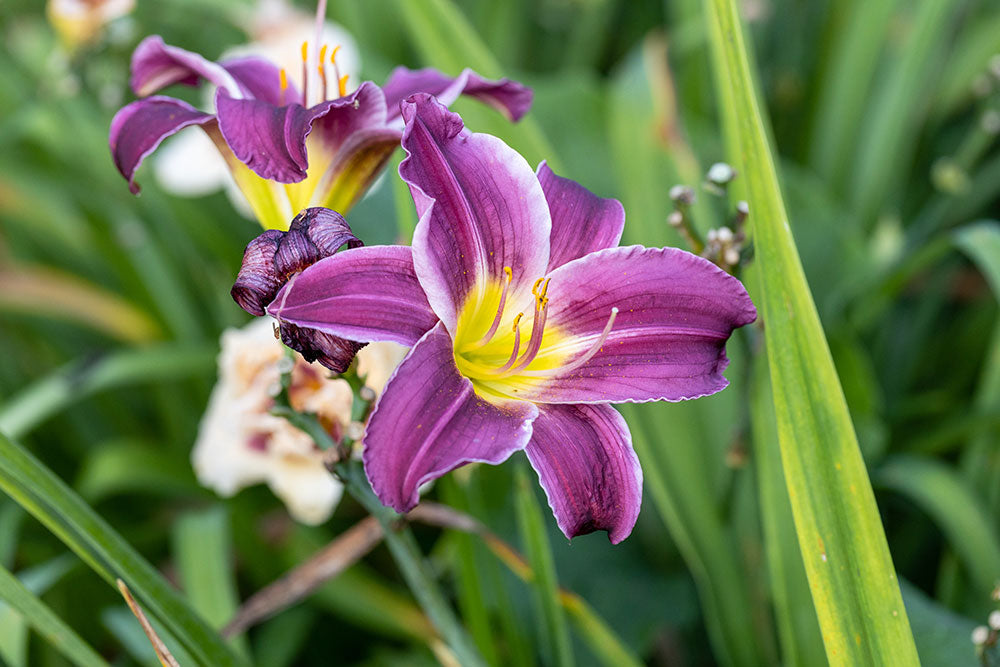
{"points": [[525, 320], [284, 154]]}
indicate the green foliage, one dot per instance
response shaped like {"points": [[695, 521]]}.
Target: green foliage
{"points": [[877, 118]]}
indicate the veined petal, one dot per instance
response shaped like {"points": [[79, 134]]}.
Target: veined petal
{"points": [[429, 421], [510, 98], [675, 313], [156, 65], [585, 462], [369, 294], [269, 139], [348, 144], [582, 222], [481, 209], [138, 128], [260, 80]]}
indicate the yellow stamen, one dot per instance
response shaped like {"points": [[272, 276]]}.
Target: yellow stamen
{"points": [[283, 78], [333, 55], [322, 70], [342, 85], [305, 74]]}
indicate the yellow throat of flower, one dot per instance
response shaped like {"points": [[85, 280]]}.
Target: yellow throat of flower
{"points": [[502, 351]]}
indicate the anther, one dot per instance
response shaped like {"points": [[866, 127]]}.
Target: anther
{"points": [[322, 70], [341, 80], [305, 74], [283, 79]]}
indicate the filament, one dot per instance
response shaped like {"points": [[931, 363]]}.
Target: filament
{"points": [[580, 361], [517, 344], [305, 74]]}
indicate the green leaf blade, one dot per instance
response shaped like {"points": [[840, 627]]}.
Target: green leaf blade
{"points": [[844, 549]]}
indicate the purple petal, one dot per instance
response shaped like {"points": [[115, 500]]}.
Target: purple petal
{"points": [[585, 462], [429, 421], [258, 281], [481, 209], [332, 352], [156, 65], [510, 98], [349, 145], [260, 79], [138, 128], [271, 140], [675, 313], [369, 294], [582, 222]]}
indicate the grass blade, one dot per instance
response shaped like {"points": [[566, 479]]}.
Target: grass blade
{"points": [[555, 632], [843, 546], [798, 631], [64, 387], [57, 507], [936, 489], [44, 621], [202, 552]]}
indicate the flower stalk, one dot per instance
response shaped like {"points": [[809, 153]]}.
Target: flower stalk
{"points": [[398, 536]]}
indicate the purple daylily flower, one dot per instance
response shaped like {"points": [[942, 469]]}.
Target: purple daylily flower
{"points": [[284, 154], [525, 320]]}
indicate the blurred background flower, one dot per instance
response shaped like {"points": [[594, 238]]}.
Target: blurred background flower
{"points": [[82, 22], [188, 164], [241, 443]]}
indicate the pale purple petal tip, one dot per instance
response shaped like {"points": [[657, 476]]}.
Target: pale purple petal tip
{"points": [[138, 128], [156, 65], [585, 462], [429, 421]]}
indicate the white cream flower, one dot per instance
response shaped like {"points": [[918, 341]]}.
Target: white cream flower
{"points": [[240, 443], [80, 22]]}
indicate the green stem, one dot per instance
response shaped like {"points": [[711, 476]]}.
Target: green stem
{"points": [[403, 547]]}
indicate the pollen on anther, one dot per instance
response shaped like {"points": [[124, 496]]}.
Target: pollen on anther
{"points": [[322, 60], [342, 85], [305, 51]]}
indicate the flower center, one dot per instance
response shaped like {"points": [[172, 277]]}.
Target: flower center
{"points": [[314, 60], [498, 361]]}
